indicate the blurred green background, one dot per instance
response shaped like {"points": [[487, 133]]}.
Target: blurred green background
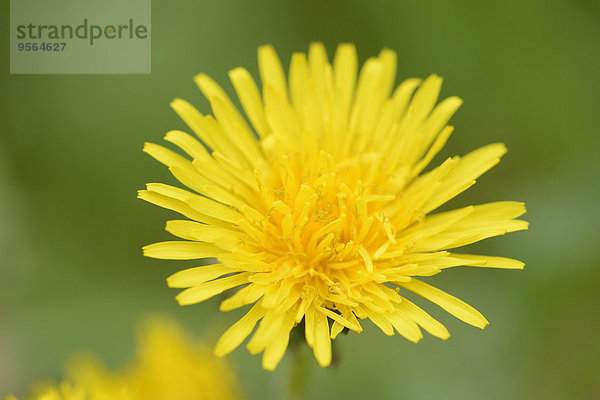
{"points": [[71, 268]]}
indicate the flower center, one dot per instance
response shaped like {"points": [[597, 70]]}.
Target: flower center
{"points": [[326, 222]]}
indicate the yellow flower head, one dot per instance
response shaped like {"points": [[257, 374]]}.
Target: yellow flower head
{"points": [[318, 209], [168, 366]]}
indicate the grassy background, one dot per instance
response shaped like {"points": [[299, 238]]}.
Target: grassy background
{"points": [[71, 228]]}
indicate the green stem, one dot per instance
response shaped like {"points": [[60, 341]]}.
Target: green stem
{"points": [[300, 375]]}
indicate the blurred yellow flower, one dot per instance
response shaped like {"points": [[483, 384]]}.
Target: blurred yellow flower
{"points": [[320, 212], [168, 366]]}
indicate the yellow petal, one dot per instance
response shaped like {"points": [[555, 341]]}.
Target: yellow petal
{"points": [[405, 326], [463, 175], [340, 319], [487, 261], [176, 205], [345, 67], [454, 306], [276, 349], [166, 156], [425, 320], [198, 275], [389, 61], [271, 71], [251, 100], [268, 328], [205, 291], [191, 230], [187, 143], [298, 81], [425, 98], [181, 250], [227, 111], [322, 343], [378, 319], [391, 112], [482, 222], [309, 323], [193, 118], [246, 295], [438, 119], [239, 331]]}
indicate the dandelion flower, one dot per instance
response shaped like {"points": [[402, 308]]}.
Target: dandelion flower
{"points": [[317, 207], [168, 366]]}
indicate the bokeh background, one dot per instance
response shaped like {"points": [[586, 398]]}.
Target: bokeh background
{"points": [[72, 274]]}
